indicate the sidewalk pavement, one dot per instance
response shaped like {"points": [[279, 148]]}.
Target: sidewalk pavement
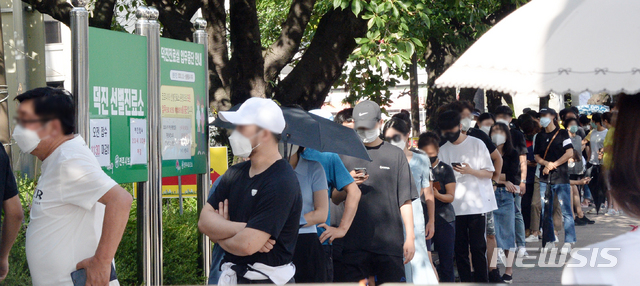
{"points": [[606, 227]]}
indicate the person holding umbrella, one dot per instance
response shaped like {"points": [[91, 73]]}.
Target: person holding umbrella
{"points": [[553, 149], [374, 245], [254, 213]]}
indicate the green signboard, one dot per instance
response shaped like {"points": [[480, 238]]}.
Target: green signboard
{"points": [[183, 102], [118, 103]]}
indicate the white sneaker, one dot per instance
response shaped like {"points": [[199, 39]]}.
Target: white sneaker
{"points": [[566, 248], [549, 246], [611, 212], [522, 252], [556, 236], [532, 238]]}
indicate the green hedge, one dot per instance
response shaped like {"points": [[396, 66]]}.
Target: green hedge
{"points": [[180, 244]]}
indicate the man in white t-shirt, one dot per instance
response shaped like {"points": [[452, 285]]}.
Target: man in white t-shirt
{"points": [[474, 195], [78, 213]]}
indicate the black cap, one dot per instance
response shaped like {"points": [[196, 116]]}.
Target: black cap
{"points": [[546, 111], [366, 114], [503, 110]]}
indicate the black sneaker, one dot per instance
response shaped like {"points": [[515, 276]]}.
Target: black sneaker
{"points": [[579, 221], [507, 278], [587, 220], [494, 276]]}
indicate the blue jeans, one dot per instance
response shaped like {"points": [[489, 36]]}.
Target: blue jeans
{"points": [[563, 191], [520, 235], [587, 193], [216, 260], [504, 219]]}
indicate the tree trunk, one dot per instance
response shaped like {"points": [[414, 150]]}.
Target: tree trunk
{"points": [[321, 65], [103, 14], [247, 78], [413, 90], [219, 69]]}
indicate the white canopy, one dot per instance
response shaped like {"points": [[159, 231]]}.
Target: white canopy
{"points": [[556, 45]]}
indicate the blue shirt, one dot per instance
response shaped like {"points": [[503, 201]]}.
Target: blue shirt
{"points": [[337, 174], [312, 179], [420, 170]]}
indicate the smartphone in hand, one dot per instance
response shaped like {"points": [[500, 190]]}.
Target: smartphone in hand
{"points": [[361, 171]]}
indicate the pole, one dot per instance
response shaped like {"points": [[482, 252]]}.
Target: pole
{"points": [[180, 193], [148, 26], [80, 65], [200, 36]]}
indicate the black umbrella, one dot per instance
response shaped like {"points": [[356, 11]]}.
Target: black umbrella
{"points": [[312, 131]]}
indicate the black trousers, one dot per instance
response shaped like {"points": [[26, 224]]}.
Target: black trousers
{"points": [[526, 206], [310, 260], [444, 241], [470, 234], [357, 265], [328, 252]]}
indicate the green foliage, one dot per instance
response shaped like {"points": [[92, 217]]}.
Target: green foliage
{"points": [[181, 253]]}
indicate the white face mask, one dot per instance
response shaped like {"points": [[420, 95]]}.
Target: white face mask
{"points": [[503, 121], [486, 129], [400, 144], [368, 136], [466, 124], [241, 145], [545, 121], [27, 139], [498, 139], [292, 149], [571, 164]]}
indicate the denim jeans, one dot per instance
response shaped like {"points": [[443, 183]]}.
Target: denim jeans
{"points": [[563, 191], [216, 259], [520, 235], [504, 219]]}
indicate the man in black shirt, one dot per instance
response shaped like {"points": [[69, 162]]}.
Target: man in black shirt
{"points": [[13, 213], [552, 150], [254, 213], [374, 245]]}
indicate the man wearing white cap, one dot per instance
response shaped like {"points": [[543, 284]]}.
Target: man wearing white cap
{"points": [[254, 214]]}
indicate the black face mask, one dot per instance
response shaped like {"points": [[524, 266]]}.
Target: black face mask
{"points": [[433, 159], [451, 136]]}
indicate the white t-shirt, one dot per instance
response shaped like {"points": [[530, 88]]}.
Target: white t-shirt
{"points": [[66, 218], [597, 143], [616, 262], [473, 195]]}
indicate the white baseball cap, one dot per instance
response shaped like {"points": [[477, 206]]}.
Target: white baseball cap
{"points": [[262, 112], [322, 113]]}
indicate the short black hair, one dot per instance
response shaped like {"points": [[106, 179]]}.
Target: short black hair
{"points": [[486, 116], [52, 103], [429, 138], [343, 115], [460, 106], [448, 120], [503, 110], [597, 118], [607, 117], [566, 122], [534, 114], [584, 120]]}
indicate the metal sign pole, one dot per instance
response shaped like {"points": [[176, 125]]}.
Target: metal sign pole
{"points": [[180, 193], [200, 36], [149, 27], [80, 66]]}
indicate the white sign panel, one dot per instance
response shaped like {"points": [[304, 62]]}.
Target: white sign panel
{"points": [[185, 76], [176, 138], [100, 141], [138, 141]]}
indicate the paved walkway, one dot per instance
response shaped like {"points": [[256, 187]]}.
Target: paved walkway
{"points": [[606, 227]]}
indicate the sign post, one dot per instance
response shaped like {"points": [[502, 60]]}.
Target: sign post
{"points": [[80, 65], [200, 36], [151, 197]]}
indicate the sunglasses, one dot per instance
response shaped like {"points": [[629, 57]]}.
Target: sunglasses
{"points": [[394, 138]]}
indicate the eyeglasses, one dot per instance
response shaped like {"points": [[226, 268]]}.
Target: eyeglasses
{"points": [[394, 138], [24, 122]]}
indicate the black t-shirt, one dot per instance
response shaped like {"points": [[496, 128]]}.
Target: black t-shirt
{"points": [[270, 201], [519, 144], [442, 174], [377, 226], [511, 167], [8, 188], [558, 148]]}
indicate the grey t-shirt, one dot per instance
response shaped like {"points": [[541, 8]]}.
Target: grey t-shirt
{"points": [[377, 226], [578, 169]]}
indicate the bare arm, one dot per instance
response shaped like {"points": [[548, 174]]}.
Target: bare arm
{"points": [[13, 216], [321, 208], [431, 210], [246, 242], [117, 203], [406, 211], [338, 197], [450, 194], [353, 195], [497, 164], [523, 172], [215, 226]]}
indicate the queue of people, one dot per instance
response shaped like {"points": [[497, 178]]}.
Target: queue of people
{"points": [[478, 187]]}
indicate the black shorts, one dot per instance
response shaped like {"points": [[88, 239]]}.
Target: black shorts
{"points": [[310, 260], [574, 177], [359, 264]]}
